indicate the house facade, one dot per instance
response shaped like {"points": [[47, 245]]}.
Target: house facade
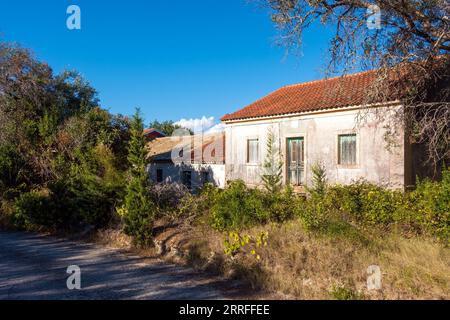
{"points": [[189, 160], [319, 123]]}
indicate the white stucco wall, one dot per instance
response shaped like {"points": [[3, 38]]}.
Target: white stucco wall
{"points": [[173, 173], [375, 163]]}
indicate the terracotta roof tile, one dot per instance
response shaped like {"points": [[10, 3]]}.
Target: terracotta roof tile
{"points": [[323, 94]]}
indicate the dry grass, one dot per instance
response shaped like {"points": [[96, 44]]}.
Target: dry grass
{"points": [[333, 264], [112, 238]]}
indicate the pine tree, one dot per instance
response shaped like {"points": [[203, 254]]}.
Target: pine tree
{"points": [[273, 166], [139, 210]]}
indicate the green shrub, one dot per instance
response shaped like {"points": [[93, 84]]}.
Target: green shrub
{"points": [[341, 292], [314, 212], [281, 204], [319, 178], [31, 209], [366, 203], [379, 206], [238, 206], [272, 176], [138, 213], [11, 167], [429, 206], [236, 243], [138, 210]]}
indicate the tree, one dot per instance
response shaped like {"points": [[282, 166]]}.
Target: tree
{"points": [[138, 209], [273, 175], [166, 127], [409, 48], [57, 144], [35, 104], [319, 179]]}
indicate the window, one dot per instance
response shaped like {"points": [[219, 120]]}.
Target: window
{"points": [[159, 175], [205, 177], [347, 149], [187, 178], [252, 151]]}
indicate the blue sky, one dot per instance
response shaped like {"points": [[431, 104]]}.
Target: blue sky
{"points": [[173, 59]]}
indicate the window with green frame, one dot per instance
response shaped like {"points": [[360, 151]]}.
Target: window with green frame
{"points": [[347, 149]]}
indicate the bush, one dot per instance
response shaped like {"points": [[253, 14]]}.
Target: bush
{"points": [[429, 206], [31, 209], [281, 204], [11, 167], [342, 292], [238, 206], [314, 212], [167, 196], [366, 203]]}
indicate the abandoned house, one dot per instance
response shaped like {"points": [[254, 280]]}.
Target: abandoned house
{"points": [[190, 160], [316, 122]]}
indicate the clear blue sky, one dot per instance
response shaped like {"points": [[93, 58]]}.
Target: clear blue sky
{"points": [[173, 59]]}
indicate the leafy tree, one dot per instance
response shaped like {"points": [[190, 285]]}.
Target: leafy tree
{"points": [[273, 166], [166, 127], [35, 104], [138, 210], [57, 142]]}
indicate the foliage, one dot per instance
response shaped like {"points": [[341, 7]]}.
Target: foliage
{"points": [[11, 167], [426, 209], [314, 212], [236, 243], [238, 206], [431, 206], [139, 209], [30, 210], [341, 292], [281, 205], [273, 166], [167, 127], [86, 195], [167, 196], [61, 156], [319, 179]]}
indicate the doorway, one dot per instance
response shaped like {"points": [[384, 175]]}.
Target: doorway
{"points": [[296, 161]]}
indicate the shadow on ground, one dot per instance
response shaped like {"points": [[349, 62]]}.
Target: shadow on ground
{"points": [[34, 267]]}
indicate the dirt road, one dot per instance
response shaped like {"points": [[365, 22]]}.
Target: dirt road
{"points": [[34, 267]]}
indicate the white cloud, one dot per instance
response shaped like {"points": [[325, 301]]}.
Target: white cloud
{"points": [[217, 128], [197, 125]]}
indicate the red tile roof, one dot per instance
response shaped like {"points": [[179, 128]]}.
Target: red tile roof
{"points": [[153, 133], [322, 94], [212, 148]]}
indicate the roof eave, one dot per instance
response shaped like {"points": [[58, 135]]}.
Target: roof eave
{"points": [[319, 111]]}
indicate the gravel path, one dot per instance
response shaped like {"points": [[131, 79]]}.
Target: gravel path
{"points": [[34, 267]]}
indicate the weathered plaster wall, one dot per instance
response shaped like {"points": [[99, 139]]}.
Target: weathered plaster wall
{"points": [[375, 162], [173, 173]]}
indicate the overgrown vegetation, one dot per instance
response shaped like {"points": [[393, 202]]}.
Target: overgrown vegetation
{"points": [[61, 156], [66, 164], [138, 210]]}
